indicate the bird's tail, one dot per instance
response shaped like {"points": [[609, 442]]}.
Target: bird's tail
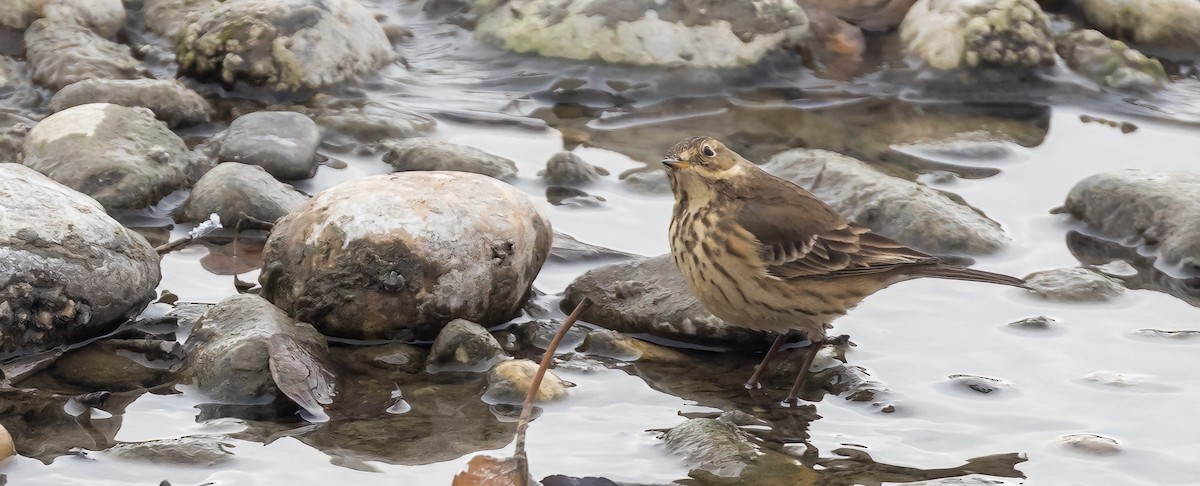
{"points": [[953, 272]]}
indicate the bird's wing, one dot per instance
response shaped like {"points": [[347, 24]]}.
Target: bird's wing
{"points": [[800, 236]]}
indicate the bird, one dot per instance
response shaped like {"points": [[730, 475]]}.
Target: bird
{"points": [[761, 252]]}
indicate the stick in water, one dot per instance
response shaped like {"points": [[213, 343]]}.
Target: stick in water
{"points": [[527, 407]]}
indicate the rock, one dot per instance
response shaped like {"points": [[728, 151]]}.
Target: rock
{"points": [[429, 246], [703, 33], [184, 451], [651, 181], [1136, 207], [7, 449], [105, 17], [121, 156], [63, 53], [1091, 444], [876, 15], [953, 35], [429, 154], [509, 382], [167, 17], [612, 344], [389, 356], [119, 364], [50, 237], [567, 169], [231, 189], [1110, 63], [908, 212], [649, 296], [1167, 25], [1036, 323], [718, 448], [570, 196], [282, 142], [835, 45], [358, 125], [229, 351], [1075, 284], [170, 100], [18, 14], [538, 334], [568, 249], [464, 346], [283, 45], [980, 384]]}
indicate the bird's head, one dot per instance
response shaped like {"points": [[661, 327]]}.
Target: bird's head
{"points": [[700, 163]]}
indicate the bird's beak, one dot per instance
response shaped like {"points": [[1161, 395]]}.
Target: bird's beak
{"points": [[673, 163]]}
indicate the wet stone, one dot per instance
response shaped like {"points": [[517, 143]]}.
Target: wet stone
{"points": [[282, 142], [123, 157], [363, 125], [568, 249], [1170, 26], [1074, 284], [61, 53], [568, 169], [184, 451], [235, 191], [1173, 335], [105, 17], [952, 35], [167, 17], [423, 154], [539, 333], [509, 381], [170, 100], [1037, 323], [389, 356], [572, 197], [908, 212], [980, 384], [464, 346], [1091, 444], [1110, 63], [119, 364], [612, 344]]}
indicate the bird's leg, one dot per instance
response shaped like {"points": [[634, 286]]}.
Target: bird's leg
{"points": [[752, 383], [810, 354]]}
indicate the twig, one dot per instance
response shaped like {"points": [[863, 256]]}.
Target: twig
{"points": [[527, 407], [174, 245]]}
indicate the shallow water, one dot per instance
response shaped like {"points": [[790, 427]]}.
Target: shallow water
{"points": [[1092, 372]]}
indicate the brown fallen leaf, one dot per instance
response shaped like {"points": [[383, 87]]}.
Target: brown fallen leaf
{"points": [[490, 471], [6, 444]]}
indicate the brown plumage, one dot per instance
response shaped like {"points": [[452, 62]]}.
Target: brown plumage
{"points": [[763, 253]]}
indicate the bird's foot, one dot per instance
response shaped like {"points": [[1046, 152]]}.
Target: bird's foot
{"points": [[791, 402], [753, 385]]}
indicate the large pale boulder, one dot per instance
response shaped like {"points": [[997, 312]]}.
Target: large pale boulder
{"points": [[390, 255], [953, 35], [68, 271], [1172, 26], [61, 53]]}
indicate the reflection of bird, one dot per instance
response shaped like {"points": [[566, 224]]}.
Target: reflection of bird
{"points": [[763, 253]]}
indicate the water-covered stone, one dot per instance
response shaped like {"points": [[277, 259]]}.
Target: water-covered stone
{"points": [[422, 154], [170, 100], [509, 381], [616, 345], [648, 295], [283, 45], [1140, 208], [906, 211], [184, 451], [69, 271], [229, 353], [464, 346], [411, 250], [717, 447], [876, 15], [123, 157], [61, 53], [1109, 62], [568, 249], [1091, 444], [1074, 284], [361, 124], [1168, 25], [282, 142], [119, 364], [232, 191], [953, 35], [704, 33], [569, 169]]}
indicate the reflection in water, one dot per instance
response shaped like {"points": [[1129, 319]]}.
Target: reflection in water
{"points": [[1095, 251]]}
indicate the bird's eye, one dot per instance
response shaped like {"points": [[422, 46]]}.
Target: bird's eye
{"points": [[708, 151]]}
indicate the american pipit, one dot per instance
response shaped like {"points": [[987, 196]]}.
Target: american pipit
{"points": [[763, 253]]}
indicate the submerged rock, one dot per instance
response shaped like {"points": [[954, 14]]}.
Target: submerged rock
{"points": [[1110, 63], [721, 453], [1091, 444], [52, 236], [282, 142], [568, 249], [568, 169], [231, 190], [649, 296], [1135, 207], [61, 53], [876, 15], [412, 251], [705, 33], [119, 364], [363, 124], [1169, 25], [1075, 284], [121, 156], [953, 35], [283, 45], [509, 382], [242, 347], [464, 346], [612, 344], [170, 100], [423, 154], [184, 451], [906, 211]]}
